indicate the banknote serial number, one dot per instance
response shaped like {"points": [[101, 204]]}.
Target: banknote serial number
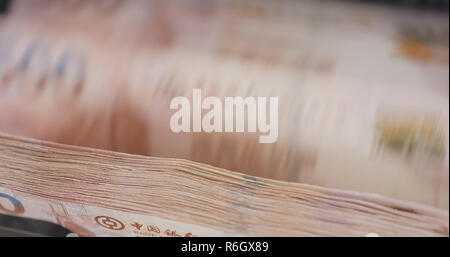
{"points": [[210, 248]]}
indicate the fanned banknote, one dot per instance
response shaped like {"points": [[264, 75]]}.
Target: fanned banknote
{"points": [[363, 105]]}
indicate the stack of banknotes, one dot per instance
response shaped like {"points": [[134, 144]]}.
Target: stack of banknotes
{"points": [[101, 193]]}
